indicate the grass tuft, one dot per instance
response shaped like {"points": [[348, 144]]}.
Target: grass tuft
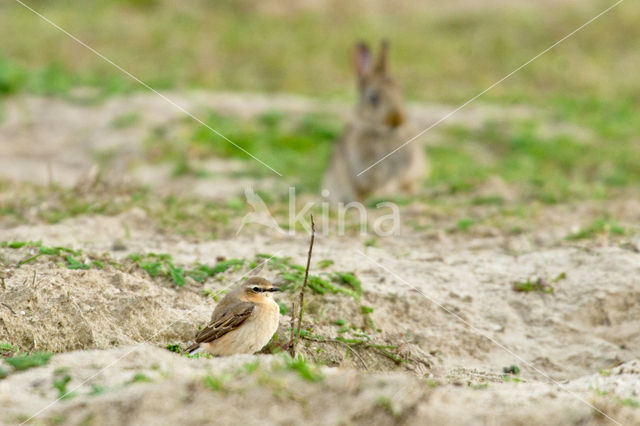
{"points": [[22, 362]]}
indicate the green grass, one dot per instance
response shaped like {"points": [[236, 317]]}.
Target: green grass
{"points": [[543, 158], [533, 285], [234, 45], [293, 275], [297, 148], [140, 378], [158, 265], [174, 347], [225, 265], [597, 227], [630, 402], [7, 349], [60, 382], [544, 164], [465, 224], [306, 370], [25, 361], [216, 384], [125, 120], [325, 263], [63, 203]]}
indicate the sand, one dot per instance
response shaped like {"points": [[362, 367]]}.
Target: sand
{"points": [[444, 301]]}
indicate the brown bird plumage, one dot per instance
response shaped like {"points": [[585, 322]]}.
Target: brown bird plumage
{"points": [[243, 322]]}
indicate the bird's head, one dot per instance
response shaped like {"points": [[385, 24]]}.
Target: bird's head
{"points": [[257, 289]]}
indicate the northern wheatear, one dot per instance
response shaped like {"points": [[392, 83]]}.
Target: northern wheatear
{"points": [[243, 322]]}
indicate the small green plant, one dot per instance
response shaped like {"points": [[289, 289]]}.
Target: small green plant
{"points": [[536, 285], [325, 263], [387, 405], [25, 361], [251, 367], [214, 383], [60, 382], [630, 402], [305, 370], [125, 120], [140, 378], [371, 242], [349, 278], [7, 349], [224, 265], [284, 309], [66, 254], [200, 273], [73, 263], [511, 374], [97, 390], [512, 369], [465, 224], [366, 310], [159, 265], [597, 227], [174, 347], [293, 275]]}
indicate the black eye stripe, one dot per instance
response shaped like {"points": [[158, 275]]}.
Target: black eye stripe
{"points": [[257, 289]]}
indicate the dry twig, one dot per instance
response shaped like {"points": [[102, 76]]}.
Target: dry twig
{"points": [[304, 285]]}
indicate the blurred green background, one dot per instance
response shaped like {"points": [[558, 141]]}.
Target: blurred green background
{"points": [[441, 53]]}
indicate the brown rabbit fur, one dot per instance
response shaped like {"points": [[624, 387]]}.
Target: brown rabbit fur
{"points": [[378, 127]]}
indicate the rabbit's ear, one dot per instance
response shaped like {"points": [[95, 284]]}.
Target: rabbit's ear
{"points": [[381, 64], [361, 60]]}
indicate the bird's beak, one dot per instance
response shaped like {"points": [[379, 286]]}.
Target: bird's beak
{"points": [[275, 289]]}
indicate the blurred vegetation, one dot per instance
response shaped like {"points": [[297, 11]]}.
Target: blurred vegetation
{"points": [[580, 140], [441, 52], [582, 155], [298, 148]]}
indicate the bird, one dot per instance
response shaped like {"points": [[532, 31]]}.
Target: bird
{"points": [[242, 323]]}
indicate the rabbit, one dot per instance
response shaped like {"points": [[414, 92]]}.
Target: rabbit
{"points": [[378, 127]]}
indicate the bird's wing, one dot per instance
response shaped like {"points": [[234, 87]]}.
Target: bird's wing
{"points": [[229, 319]]}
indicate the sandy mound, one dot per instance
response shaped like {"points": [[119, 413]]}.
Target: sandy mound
{"points": [[100, 310], [146, 385]]}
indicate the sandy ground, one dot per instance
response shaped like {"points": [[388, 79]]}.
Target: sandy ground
{"points": [[446, 302]]}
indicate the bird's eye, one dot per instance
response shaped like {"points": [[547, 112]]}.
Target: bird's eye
{"points": [[256, 289]]}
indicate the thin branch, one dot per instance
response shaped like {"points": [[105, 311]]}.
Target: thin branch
{"points": [[339, 342], [304, 285], [292, 325], [9, 308], [381, 349], [364, 364]]}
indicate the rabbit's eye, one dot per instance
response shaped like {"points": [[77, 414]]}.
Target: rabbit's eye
{"points": [[374, 98]]}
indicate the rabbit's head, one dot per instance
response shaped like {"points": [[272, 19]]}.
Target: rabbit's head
{"points": [[380, 101]]}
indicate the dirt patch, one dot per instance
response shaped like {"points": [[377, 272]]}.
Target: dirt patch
{"points": [[427, 341], [147, 385]]}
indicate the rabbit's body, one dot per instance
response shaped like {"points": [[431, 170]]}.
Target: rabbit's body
{"points": [[377, 129]]}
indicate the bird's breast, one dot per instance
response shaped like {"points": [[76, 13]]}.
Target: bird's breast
{"points": [[252, 335]]}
